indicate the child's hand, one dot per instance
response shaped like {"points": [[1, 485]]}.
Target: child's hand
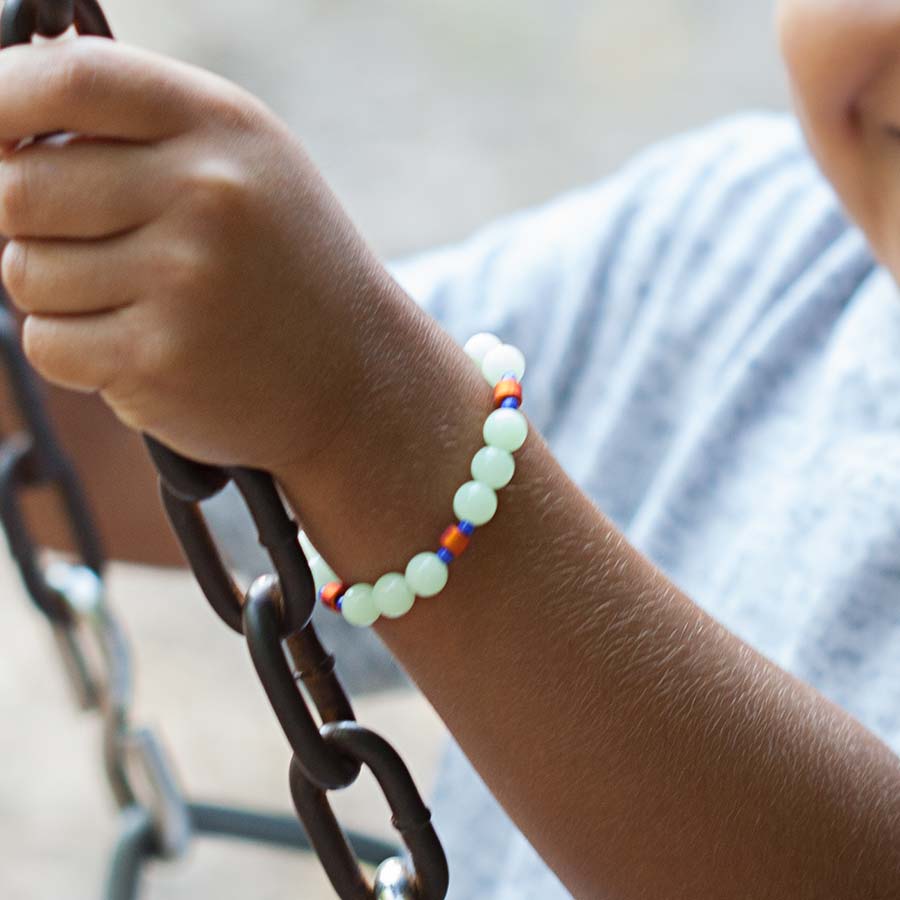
{"points": [[186, 261]]}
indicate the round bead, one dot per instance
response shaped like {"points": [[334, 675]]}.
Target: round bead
{"points": [[308, 550], [494, 467], [503, 360], [479, 344], [476, 502], [358, 606], [426, 574], [393, 595], [506, 429], [322, 573]]}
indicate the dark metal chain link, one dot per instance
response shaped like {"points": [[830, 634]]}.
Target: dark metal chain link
{"points": [[71, 594], [274, 616], [156, 820]]}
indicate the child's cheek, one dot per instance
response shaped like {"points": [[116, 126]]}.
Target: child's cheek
{"points": [[843, 60]]}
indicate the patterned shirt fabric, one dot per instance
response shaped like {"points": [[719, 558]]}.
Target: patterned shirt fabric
{"points": [[714, 357]]}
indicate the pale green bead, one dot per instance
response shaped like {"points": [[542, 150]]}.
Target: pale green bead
{"points": [[426, 574], [358, 606], [478, 345], [500, 360], [475, 502], [494, 467], [393, 596], [308, 550], [505, 428], [322, 573]]}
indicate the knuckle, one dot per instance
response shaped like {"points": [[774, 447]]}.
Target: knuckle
{"points": [[127, 404], [74, 76], [183, 271], [192, 269], [216, 189], [155, 357], [234, 108]]}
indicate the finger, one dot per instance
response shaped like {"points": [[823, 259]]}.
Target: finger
{"points": [[100, 87], [73, 277], [86, 189], [83, 353]]}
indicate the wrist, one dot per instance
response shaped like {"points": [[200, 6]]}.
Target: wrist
{"points": [[382, 489]]}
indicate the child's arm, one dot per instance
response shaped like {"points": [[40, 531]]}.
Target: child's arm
{"points": [[643, 749], [201, 277]]}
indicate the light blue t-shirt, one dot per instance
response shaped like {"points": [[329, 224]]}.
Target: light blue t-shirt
{"points": [[714, 357]]}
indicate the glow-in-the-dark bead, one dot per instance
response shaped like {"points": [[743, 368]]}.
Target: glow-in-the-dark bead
{"points": [[308, 550], [506, 429], [330, 594], [426, 574], [393, 596], [494, 466], [503, 360], [454, 540], [322, 573], [476, 502], [358, 605], [506, 389], [478, 345]]}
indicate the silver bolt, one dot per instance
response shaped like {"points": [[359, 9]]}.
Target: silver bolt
{"points": [[395, 879]]}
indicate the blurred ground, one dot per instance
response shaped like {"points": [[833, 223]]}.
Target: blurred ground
{"points": [[429, 118]]}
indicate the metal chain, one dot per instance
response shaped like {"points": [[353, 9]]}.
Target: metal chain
{"points": [[156, 821], [71, 595], [274, 616]]}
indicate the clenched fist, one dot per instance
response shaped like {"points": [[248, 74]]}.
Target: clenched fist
{"points": [[180, 255]]}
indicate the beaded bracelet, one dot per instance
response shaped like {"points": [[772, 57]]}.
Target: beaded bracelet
{"points": [[474, 503]]}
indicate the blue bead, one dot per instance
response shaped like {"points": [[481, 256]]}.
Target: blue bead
{"points": [[510, 403], [511, 375], [445, 555], [466, 527], [337, 603]]}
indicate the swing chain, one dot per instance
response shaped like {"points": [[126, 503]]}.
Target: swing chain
{"points": [[274, 615], [71, 595], [132, 756]]}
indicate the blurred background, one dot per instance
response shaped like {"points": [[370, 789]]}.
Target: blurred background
{"points": [[429, 118]]}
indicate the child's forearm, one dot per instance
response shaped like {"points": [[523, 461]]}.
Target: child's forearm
{"points": [[643, 749], [194, 268]]}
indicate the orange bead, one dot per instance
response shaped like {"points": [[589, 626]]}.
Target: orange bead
{"points": [[331, 593], [509, 387], [454, 540]]}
